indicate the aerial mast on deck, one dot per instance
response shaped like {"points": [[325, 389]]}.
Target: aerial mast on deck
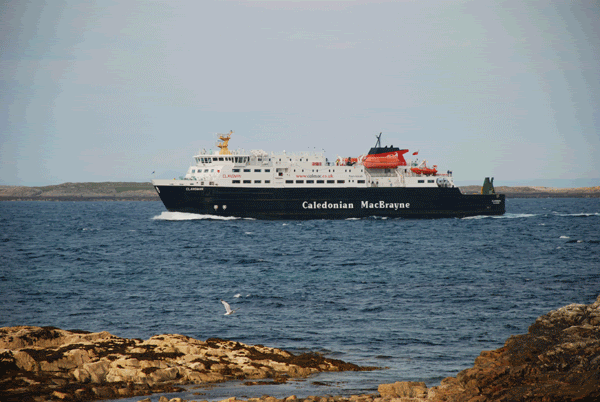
{"points": [[223, 145], [378, 145]]}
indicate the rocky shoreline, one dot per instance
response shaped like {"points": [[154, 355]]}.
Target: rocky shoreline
{"points": [[47, 363], [557, 360], [131, 191]]}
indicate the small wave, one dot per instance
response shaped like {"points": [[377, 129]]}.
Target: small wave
{"points": [[578, 215], [384, 357], [248, 261], [476, 217], [516, 216], [564, 237], [184, 216], [505, 216], [351, 264], [571, 241]]}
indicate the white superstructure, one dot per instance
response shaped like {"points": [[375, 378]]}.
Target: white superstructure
{"points": [[261, 169]]}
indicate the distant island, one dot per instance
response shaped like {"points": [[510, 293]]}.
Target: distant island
{"points": [[104, 191], [133, 191], [539, 192]]}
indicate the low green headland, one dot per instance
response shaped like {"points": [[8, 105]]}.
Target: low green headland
{"points": [[104, 191]]}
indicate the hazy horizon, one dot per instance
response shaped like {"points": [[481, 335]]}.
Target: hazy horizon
{"points": [[564, 184]]}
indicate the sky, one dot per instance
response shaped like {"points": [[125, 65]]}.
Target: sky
{"points": [[96, 91]]}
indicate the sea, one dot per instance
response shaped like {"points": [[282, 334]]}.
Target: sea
{"points": [[419, 299]]}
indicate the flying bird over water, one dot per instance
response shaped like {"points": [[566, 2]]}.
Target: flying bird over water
{"points": [[228, 309]]}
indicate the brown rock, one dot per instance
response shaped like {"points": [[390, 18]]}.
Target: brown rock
{"points": [[403, 389], [59, 395], [557, 360]]}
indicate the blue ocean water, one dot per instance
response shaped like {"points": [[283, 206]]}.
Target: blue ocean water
{"points": [[418, 298]]}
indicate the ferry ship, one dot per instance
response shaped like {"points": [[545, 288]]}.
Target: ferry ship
{"points": [[263, 185]]}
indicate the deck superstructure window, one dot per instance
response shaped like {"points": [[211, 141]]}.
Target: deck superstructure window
{"points": [[257, 170], [256, 181], [341, 181], [421, 181], [320, 181], [299, 181], [236, 170], [247, 181], [289, 181], [310, 181], [235, 181], [330, 181], [247, 170]]}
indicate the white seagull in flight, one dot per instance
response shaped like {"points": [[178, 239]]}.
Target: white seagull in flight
{"points": [[228, 309]]}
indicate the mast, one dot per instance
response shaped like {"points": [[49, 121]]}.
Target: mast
{"points": [[378, 145]]}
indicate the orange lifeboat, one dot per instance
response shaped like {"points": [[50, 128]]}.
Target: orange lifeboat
{"points": [[381, 162], [425, 170], [389, 160]]}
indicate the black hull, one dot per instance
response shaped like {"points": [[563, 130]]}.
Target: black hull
{"points": [[329, 203]]}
